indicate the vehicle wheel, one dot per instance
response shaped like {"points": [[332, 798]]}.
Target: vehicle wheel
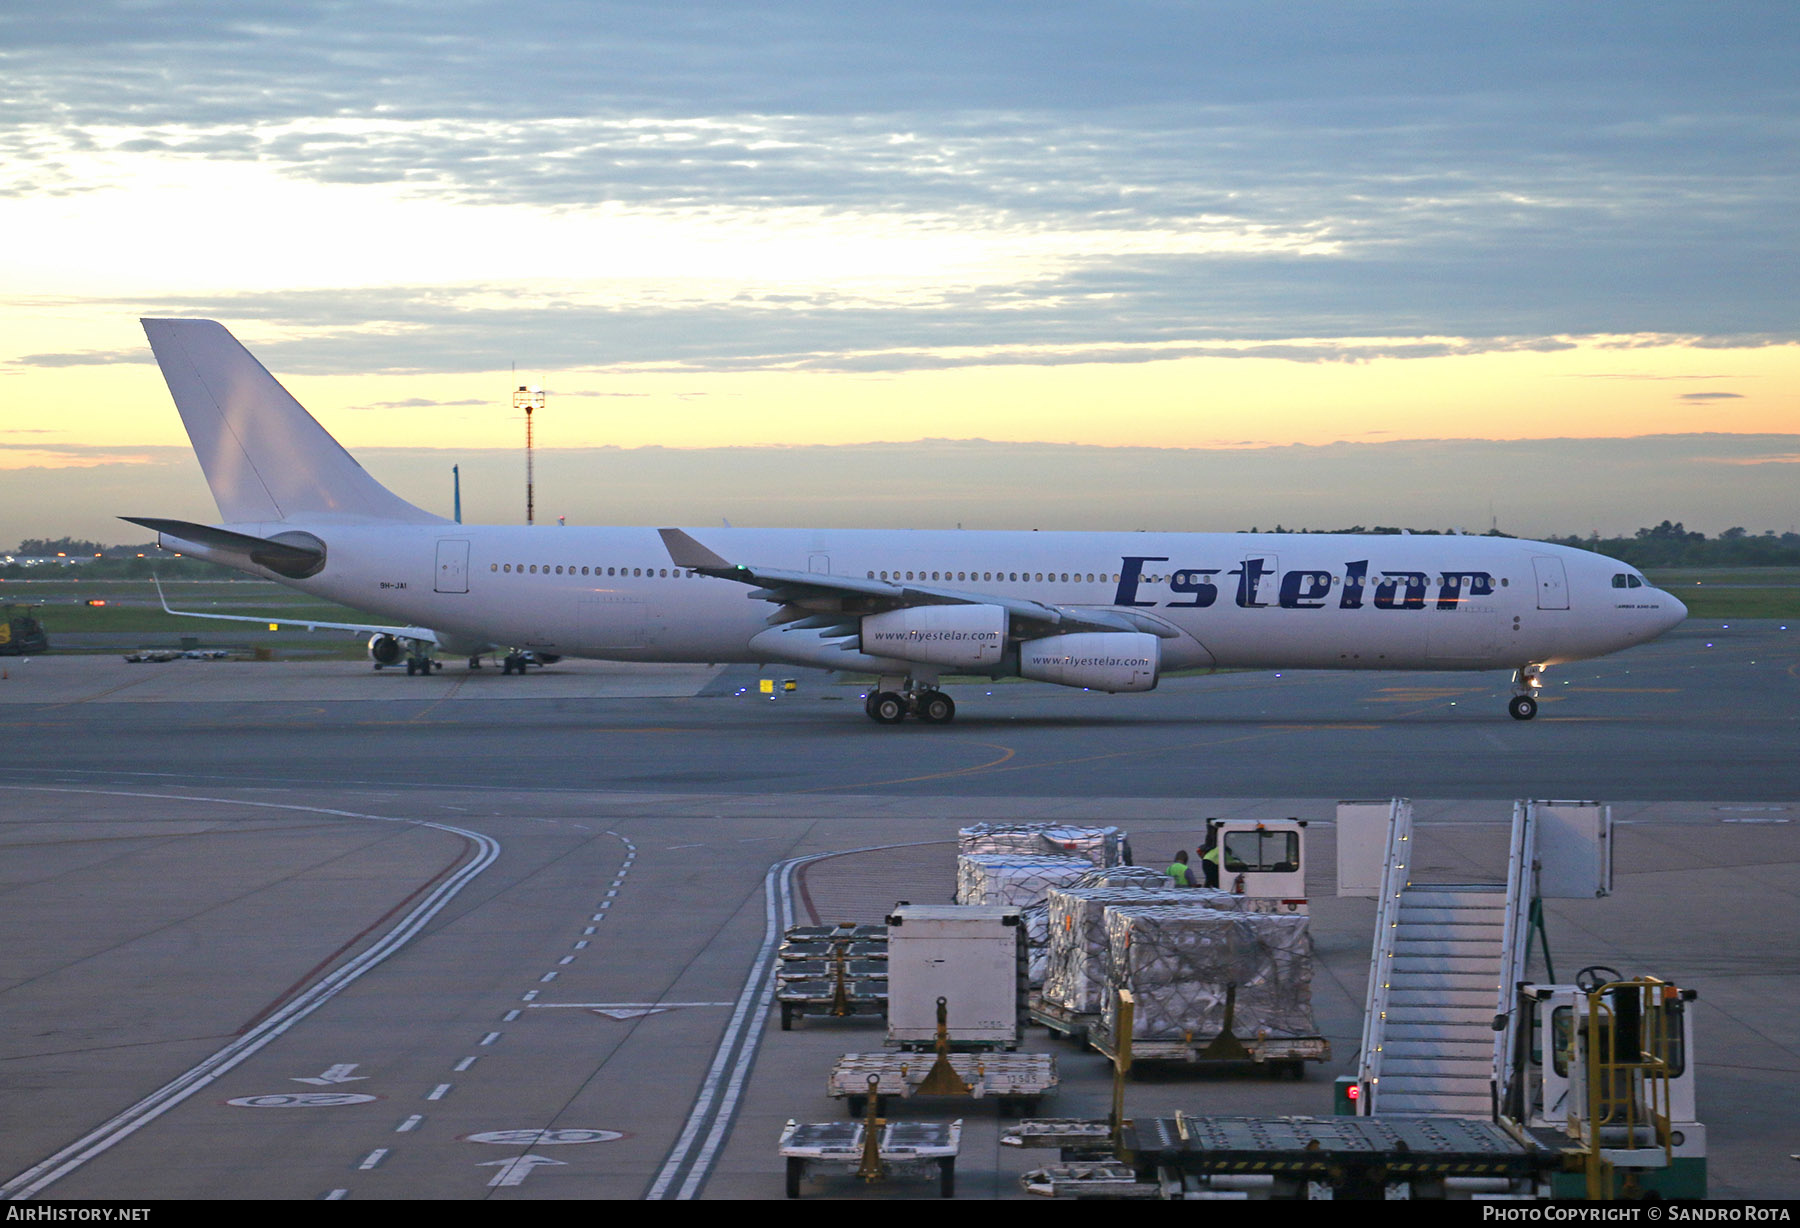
{"points": [[947, 1177], [1522, 707], [787, 1016], [936, 708], [858, 1105], [796, 1169], [887, 708]]}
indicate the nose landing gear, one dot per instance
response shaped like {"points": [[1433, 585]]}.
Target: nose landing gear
{"points": [[1526, 684]]}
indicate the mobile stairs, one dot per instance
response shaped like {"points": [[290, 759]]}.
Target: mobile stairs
{"points": [[1446, 960]]}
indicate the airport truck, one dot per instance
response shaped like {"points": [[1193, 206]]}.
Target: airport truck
{"points": [[21, 633]]}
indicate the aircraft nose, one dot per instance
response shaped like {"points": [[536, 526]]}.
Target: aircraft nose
{"points": [[1673, 611]]}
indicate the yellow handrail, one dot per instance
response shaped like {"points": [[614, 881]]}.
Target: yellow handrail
{"points": [[1625, 1090]]}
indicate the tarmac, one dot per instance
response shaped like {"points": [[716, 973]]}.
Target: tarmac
{"points": [[299, 930]]}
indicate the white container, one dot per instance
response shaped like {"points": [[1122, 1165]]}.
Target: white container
{"points": [[971, 956]]}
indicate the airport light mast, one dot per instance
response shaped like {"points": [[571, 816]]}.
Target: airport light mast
{"points": [[529, 399]]}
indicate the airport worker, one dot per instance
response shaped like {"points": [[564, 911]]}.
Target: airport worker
{"points": [[1178, 870], [1209, 858]]}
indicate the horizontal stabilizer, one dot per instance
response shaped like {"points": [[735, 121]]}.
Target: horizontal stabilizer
{"points": [[295, 555]]}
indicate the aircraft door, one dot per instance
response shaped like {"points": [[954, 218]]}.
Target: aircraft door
{"points": [[819, 563], [1552, 583], [1258, 580], [453, 567]]}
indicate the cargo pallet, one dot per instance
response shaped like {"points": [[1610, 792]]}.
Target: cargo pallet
{"points": [[1017, 1080], [1063, 1023], [1278, 1054]]}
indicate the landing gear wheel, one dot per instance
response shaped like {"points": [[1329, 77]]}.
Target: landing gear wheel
{"points": [[887, 708], [411, 668], [1522, 707], [936, 708]]}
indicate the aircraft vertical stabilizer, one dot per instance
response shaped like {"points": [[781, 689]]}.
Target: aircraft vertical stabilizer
{"points": [[264, 456]]}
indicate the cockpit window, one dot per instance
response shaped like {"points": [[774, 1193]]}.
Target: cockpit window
{"points": [[1622, 580]]}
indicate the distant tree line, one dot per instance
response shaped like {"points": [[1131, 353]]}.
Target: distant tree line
{"points": [[1669, 544], [138, 562], [1672, 545]]}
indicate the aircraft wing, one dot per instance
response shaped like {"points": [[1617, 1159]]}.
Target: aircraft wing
{"points": [[424, 634], [822, 592]]}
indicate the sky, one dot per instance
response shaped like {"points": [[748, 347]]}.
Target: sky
{"points": [[1101, 264]]}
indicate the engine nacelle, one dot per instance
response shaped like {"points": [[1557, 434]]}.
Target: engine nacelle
{"points": [[1102, 660], [964, 636], [386, 650]]}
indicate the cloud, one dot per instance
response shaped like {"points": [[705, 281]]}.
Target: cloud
{"points": [[421, 403], [88, 358], [1114, 176], [14, 456], [1712, 396]]}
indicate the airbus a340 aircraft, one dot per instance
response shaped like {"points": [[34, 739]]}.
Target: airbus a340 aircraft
{"points": [[1107, 611]]}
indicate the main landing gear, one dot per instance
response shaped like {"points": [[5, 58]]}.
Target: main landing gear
{"points": [[896, 699], [1526, 684]]}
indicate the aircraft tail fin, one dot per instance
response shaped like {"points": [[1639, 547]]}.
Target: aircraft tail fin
{"points": [[264, 456]]}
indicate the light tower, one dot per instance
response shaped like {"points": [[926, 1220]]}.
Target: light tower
{"points": [[529, 399]]}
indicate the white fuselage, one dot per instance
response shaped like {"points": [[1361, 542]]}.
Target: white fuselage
{"points": [[1222, 599]]}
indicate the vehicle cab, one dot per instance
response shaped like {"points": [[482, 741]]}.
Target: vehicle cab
{"points": [[1264, 860]]}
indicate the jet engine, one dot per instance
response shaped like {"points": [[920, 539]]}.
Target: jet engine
{"points": [[971, 637], [384, 649], [1101, 660]]}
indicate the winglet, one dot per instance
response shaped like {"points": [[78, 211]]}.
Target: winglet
{"points": [[684, 551]]}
